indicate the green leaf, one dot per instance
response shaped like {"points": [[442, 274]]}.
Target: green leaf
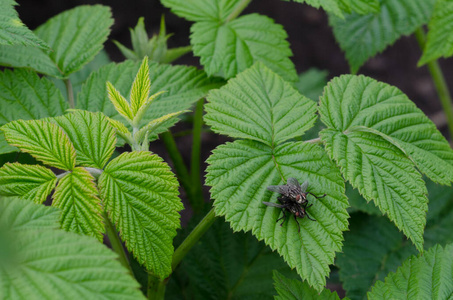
{"points": [[23, 95], [202, 10], [31, 182], [439, 41], [92, 136], [376, 135], [13, 31], [311, 83], [259, 105], [140, 87], [363, 36], [288, 289], [152, 127], [120, 103], [43, 140], [373, 247], [76, 196], [239, 174], [140, 194], [19, 215], [53, 264], [184, 86], [248, 274], [362, 7], [427, 276], [226, 49], [75, 37], [332, 6]]}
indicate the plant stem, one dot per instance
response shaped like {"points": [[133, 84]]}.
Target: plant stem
{"points": [[195, 172], [70, 92], [439, 82], [115, 241], [237, 11], [180, 167], [315, 141], [156, 288], [193, 238]]}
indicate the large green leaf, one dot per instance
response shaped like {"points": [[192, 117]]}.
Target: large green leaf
{"points": [[92, 136], [140, 194], [23, 95], [226, 49], [76, 196], [439, 42], [428, 276], [240, 172], [363, 36], [51, 264], [13, 31], [311, 83], [376, 135], [31, 182], [248, 274], [183, 86], [43, 140], [293, 289], [332, 6], [374, 247], [75, 37], [202, 10], [261, 106], [360, 6]]}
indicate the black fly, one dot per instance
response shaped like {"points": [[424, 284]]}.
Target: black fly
{"points": [[293, 199]]}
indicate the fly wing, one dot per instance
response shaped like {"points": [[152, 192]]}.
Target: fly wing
{"points": [[273, 204], [304, 186], [293, 181], [275, 188]]}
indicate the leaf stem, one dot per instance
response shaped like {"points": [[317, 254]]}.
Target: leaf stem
{"points": [[237, 11], [156, 288], [180, 168], [439, 82], [70, 92], [192, 238], [315, 141], [115, 241], [195, 164]]}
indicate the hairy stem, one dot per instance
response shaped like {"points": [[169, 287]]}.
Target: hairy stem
{"points": [[115, 241], [70, 92], [193, 238], [180, 168], [195, 164], [237, 11], [156, 288], [439, 82]]}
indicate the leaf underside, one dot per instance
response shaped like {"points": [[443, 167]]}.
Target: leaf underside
{"points": [[140, 194]]}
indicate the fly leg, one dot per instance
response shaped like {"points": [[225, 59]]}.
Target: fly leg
{"points": [[317, 196], [284, 217], [298, 225]]}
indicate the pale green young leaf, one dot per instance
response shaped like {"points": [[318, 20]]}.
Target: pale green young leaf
{"points": [[153, 126], [144, 108], [52, 264], [332, 6], [119, 102], [249, 271], [202, 10], [92, 136], [226, 49], [363, 36], [23, 95], [43, 140], [31, 182], [427, 276], [140, 87], [140, 194], [13, 31], [259, 105], [120, 129], [20, 215], [81, 210], [439, 41], [183, 86], [239, 174], [294, 289], [127, 53], [74, 36]]}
